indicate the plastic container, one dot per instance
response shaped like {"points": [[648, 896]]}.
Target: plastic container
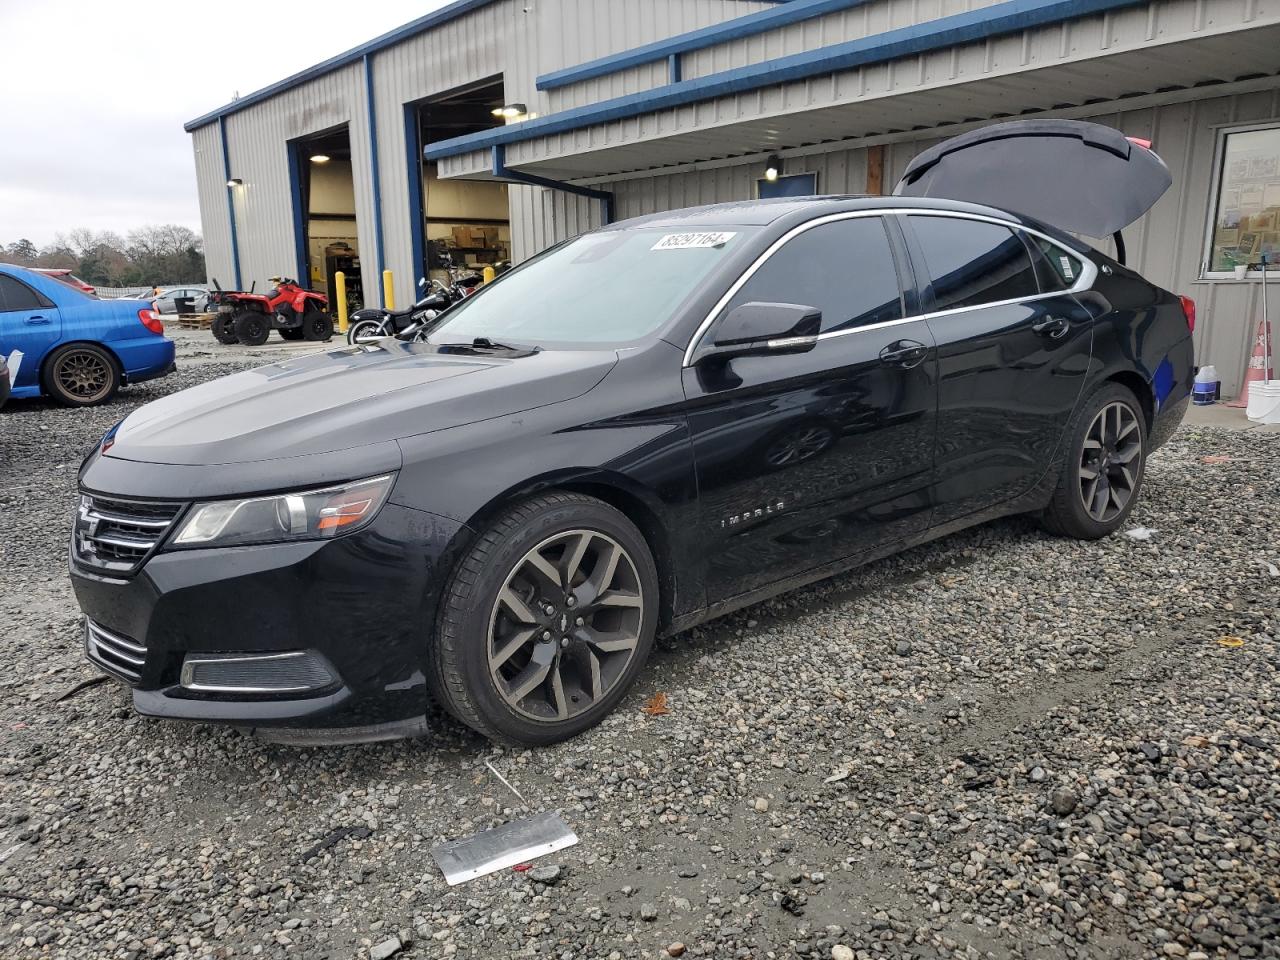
{"points": [[1264, 401], [1207, 387]]}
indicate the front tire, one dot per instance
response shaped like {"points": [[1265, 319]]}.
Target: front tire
{"points": [[1104, 468], [251, 327], [546, 621], [81, 375]]}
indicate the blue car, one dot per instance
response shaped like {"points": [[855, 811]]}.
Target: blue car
{"points": [[77, 349]]}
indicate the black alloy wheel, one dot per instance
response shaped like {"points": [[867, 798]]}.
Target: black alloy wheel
{"points": [[251, 327], [547, 620], [1102, 468], [81, 375], [316, 324], [565, 625], [1107, 471]]}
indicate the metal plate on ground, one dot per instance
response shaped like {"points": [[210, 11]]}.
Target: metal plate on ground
{"points": [[505, 846]]}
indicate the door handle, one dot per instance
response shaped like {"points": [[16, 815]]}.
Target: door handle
{"points": [[904, 353], [37, 320], [1055, 328]]}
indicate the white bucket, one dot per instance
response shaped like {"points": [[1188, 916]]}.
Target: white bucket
{"points": [[1264, 401]]}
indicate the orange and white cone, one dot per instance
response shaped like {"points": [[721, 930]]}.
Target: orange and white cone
{"points": [[1259, 367]]}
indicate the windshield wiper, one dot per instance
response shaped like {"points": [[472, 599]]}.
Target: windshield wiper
{"points": [[484, 343]]}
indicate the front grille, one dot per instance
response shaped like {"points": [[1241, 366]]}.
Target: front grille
{"points": [[116, 536], [118, 655]]}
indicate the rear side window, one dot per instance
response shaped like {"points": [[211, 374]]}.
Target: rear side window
{"points": [[970, 262], [16, 295], [1058, 269], [844, 268]]}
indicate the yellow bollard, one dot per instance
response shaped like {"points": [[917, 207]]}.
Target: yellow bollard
{"points": [[340, 295], [489, 274], [388, 291]]}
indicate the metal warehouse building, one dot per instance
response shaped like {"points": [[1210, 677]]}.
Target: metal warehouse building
{"points": [[491, 129]]}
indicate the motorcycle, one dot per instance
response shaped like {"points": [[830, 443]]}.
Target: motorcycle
{"points": [[374, 323]]}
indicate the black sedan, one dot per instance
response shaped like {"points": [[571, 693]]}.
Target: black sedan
{"points": [[642, 428]]}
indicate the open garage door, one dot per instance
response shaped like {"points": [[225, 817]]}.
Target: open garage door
{"points": [[325, 213], [465, 222]]}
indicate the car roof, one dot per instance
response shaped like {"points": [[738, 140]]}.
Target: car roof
{"points": [[764, 212]]}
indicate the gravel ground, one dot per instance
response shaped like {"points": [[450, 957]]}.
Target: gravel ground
{"points": [[998, 745]]}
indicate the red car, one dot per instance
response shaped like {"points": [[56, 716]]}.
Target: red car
{"points": [[67, 277]]}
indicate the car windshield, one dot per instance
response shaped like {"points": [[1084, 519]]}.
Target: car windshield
{"points": [[601, 288]]}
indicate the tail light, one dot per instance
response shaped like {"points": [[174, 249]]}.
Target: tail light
{"points": [[1144, 144], [149, 319], [1189, 310]]}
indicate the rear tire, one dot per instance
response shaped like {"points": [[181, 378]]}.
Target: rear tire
{"points": [[251, 327], [1104, 466], [81, 375], [317, 325], [546, 621], [223, 330]]}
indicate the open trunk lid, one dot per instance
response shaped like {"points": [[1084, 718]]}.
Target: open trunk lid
{"points": [[1080, 177]]}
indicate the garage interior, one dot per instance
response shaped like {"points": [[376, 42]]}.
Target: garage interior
{"points": [[468, 220], [326, 191]]}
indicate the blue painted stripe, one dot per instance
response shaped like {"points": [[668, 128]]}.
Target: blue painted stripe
{"points": [[431, 20], [736, 29], [301, 216], [1011, 17], [376, 173], [231, 199], [417, 209]]}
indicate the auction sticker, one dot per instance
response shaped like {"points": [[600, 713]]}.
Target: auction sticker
{"points": [[693, 241]]}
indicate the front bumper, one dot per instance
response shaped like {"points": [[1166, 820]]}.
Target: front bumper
{"points": [[362, 605]]}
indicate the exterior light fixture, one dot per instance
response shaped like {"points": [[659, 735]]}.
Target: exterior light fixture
{"points": [[510, 111], [319, 158], [773, 170], [235, 182]]}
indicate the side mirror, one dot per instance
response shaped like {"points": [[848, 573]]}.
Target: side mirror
{"points": [[759, 329]]}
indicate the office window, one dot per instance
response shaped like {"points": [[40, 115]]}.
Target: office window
{"points": [[1245, 220]]}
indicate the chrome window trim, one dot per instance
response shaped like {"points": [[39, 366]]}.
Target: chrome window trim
{"points": [[1088, 273]]}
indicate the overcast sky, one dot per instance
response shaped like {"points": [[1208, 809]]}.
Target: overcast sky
{"points": [[95, 95]]}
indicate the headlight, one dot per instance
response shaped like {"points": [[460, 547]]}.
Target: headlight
{"points": [[309, 515]]}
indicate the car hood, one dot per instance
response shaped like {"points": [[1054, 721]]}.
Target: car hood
{"points": [[348, 398]]}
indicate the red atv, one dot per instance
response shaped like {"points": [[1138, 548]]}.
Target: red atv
{"points": [[249, 318]]}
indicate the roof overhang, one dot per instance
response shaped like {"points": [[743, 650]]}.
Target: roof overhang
{"points": [[859, 108]]}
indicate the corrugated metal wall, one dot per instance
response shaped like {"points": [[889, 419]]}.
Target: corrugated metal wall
{"points": [[211, 185], [456, 54], [1167, 245], [258, 139]]}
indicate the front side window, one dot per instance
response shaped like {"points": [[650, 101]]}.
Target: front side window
{"points": [[601, 288], [16, 295], [971, 262], [844, 268], [1246, 211]]}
